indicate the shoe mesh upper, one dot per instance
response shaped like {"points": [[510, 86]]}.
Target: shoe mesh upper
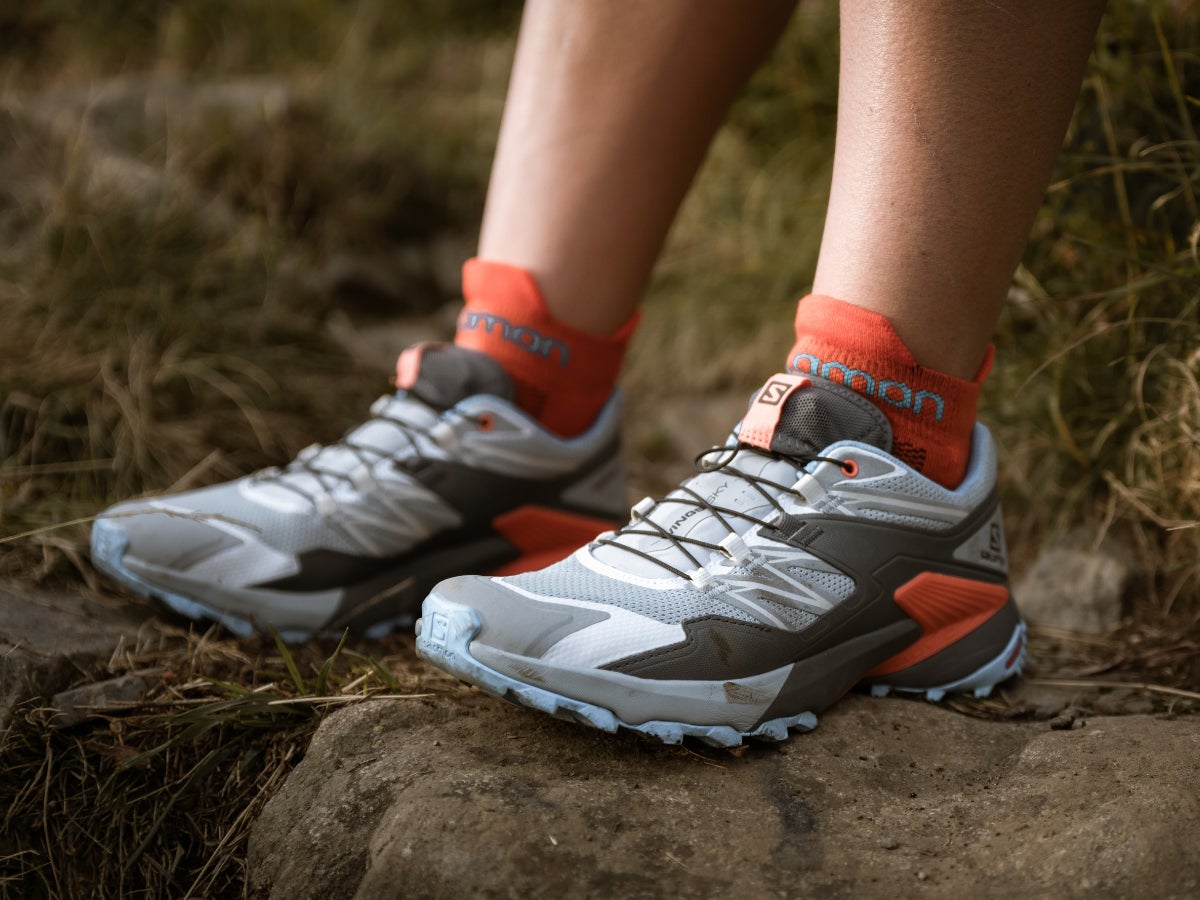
{"points": [[571, 580], [832, 584]]}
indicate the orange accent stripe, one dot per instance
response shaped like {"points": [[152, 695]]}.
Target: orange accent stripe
{"points": [[947, 608], [544, 536], [1015, 655]]}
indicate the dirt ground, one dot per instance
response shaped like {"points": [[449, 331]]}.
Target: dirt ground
{"points": [[466, 796], [1055, 786]]}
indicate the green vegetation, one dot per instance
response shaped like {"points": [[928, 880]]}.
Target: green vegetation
{"points": [[175, 180]]}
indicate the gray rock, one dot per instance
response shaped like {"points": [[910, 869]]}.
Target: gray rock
{"points": [[46, 639], [450, 798], [75, 705], [1076, 585]]}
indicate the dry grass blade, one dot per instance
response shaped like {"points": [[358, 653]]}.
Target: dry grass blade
{"points": [[290, 661], [159, 793], [221, 854], [1100, 684], [379, 670], [322, 682]]}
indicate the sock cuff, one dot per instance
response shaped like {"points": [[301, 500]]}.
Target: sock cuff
{"points": [[932, 413], [562, 375]]}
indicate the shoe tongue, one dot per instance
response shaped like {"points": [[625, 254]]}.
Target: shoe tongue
{"points": [[441, 375], [800, 415]]}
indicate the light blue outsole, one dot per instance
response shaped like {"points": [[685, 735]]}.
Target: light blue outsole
{"points": [[444, 634]]}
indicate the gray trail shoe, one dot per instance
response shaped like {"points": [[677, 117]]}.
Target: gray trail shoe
{"points": [[801, 560], [445, 478]]}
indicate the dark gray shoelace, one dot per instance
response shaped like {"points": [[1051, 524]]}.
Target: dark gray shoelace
{"points": [[693, 500], [364, 453]]}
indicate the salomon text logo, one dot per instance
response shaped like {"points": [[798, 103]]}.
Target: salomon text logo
{"points": [[895, 393], [522, 335]]}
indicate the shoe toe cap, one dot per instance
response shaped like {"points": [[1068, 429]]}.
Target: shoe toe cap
{"points": [[513, 621], [164, 538]]}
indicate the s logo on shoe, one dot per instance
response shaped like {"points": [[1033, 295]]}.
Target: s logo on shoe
{"points": [[439, 629], [774, 392], [762, 417]]}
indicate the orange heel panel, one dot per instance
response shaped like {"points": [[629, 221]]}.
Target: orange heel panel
{"points": [[544, 536], [947, 608]]}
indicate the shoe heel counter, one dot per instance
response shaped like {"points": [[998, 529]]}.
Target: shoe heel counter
{"points": [[966, 621], [987, 547]]}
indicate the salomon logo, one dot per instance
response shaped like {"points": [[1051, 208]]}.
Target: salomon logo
{"points": [[994, 552], [773, 393], [895, 393], [521, 335], [439, 629]]}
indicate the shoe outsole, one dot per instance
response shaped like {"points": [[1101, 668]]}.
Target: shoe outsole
{"points": [[446, 629]]}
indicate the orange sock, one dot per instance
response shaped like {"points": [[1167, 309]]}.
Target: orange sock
{"points": [[931, 413], [562, 376]]}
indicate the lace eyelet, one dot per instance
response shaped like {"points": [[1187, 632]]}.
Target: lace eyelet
{"points": [[850, 467]]}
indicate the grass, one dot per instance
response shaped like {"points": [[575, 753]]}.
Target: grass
{"points": [[180, 185], [1097, 399], [155, 797]]}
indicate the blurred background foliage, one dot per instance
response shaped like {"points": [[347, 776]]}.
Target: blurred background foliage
{"points": [[195, 198]]}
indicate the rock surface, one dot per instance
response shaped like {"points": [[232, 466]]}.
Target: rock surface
{"points": [[75, 705], [469, 797], [1077, 584], [46, 638]]}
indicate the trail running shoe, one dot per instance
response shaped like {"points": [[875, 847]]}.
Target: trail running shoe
{"points": [[446, 477], [801, 560]]}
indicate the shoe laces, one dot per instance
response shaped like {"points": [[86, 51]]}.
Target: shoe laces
{"points": [[319, 470], [647, 516]]}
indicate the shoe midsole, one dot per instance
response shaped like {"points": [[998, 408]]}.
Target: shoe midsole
{"points": [[809, 685]]}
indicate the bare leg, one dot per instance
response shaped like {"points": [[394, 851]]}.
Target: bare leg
{"points": [[950, 116], [609, 114]]}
